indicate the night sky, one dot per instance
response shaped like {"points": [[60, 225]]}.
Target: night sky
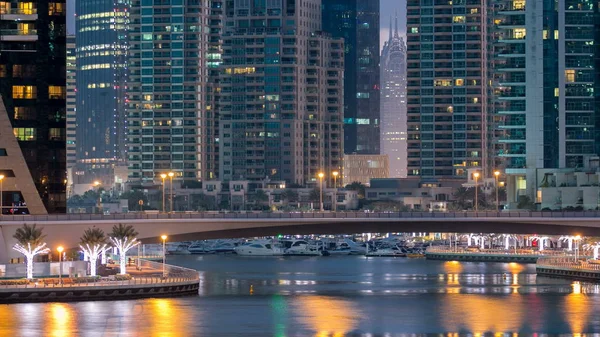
{"points": [[389, 7]]}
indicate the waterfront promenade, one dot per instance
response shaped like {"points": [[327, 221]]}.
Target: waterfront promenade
{"points": [[521, 255], [569, 267], [148, 281]]}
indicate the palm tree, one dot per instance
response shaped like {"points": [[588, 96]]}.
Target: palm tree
{"points": [[30, 243], [93, 243], [123, 237]]}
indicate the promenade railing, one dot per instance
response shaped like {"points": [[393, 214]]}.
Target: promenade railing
{"points": [[153, 275], [568, 263], [494, 251], [300, 215]]}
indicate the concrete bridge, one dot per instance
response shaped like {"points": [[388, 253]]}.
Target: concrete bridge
{"points": [[66, 230]]}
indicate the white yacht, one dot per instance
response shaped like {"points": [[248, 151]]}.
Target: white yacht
{"points": [[259, 248], [391, 251], [200, 247], [301, 248]]}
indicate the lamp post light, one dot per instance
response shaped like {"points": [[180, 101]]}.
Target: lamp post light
{"points": [[321, 175], [171, 174], [496, 175], [476, 175], [164, 240], [1, 191], [334, 201], [577, 239], [97, 185], [163, 176], [60, 250]]}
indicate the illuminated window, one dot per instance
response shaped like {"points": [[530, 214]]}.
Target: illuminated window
{"points": [[4, 7], [519, 5], [24, 92], [56, 92], [25, 28], [24, 134], [26, 8], [556, 34], [450, 109], [56, 8], [414, 30], [25, 112], [2, 70], [545, 34], [57, 134], [474, 11], [556, 92], [459, 82], [570, 75], [459, 19], [475, 100], [443, 83], [519, 33]]}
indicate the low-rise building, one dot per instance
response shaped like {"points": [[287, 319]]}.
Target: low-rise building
{"points": [[568, 188], [364, 167], [413, 193]]}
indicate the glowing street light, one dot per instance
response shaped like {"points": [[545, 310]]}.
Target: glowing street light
{"points": [[171, 174], [577, 239], [497, 174], [163, 176], [321, 175], [164, 240], [334, 201], [1, 191], [60, 250], [476, 175]]}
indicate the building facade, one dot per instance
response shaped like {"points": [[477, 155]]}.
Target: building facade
{"points": [[363, 167], [71, 103], [167, 89], [447, 87], [33, 106], [549, 79], [357, 22], [393, 103], [101, 53], [281, 103]]}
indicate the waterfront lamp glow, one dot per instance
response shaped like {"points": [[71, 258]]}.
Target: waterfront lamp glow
{"points": [[321, 175], [163, 176], [171, 174], [60, 249], [30, 243], [123, 237], [164, 240], [476, 175], [93, 243], [334, 201]]}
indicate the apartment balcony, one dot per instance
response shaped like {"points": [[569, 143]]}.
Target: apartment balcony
{"points": [[514, 138], [18, 35], [18, 14], [511, 154]]}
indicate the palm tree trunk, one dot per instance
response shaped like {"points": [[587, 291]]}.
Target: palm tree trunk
{"points": [[29, 261], [122, 262], [93, 266]]}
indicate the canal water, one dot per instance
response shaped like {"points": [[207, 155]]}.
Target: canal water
{"points": [[332, 296]]}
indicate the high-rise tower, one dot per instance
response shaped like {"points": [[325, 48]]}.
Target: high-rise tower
{"points": [[102, 75], [448, 86], [280, 114], [33, 106], [393, 103], [357, 21]]}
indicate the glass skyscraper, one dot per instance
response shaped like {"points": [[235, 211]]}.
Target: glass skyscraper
{"points": [[102, 70], [357, 21], [33, 106]]}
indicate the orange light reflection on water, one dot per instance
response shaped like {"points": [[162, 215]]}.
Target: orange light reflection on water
{"points": [[61, 320], [577, 309], [326, 315], [486, 316], [165, 318]]}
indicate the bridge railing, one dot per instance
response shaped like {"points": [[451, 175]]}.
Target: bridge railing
{"points": [[301, 215], [568, 263]]}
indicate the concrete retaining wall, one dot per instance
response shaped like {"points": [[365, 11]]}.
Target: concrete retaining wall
{"points": [[19, 270]]}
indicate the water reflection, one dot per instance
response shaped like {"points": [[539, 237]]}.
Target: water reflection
{"points": [[61, 320], [327, 316], [578, 308]]}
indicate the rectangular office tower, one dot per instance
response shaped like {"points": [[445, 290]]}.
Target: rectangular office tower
{"points": [[281, 93], [393, 103], [447, 87], [548, 56], [357, 22], [167, 89], [32, 106], [102, 70]]}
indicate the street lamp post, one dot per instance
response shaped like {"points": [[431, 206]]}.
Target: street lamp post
{"points": [[97, 184], [577, 239], [1, 191], [497, 174], [334, 201], [476, 175], [163, 176], [171, 174], [164, 240], [60, 250], [321, 175]]}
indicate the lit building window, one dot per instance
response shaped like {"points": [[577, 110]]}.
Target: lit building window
{"points": [[459, 19], [570, 75], [56, 92], [24, 134], [26, 8], [24, 92]]}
